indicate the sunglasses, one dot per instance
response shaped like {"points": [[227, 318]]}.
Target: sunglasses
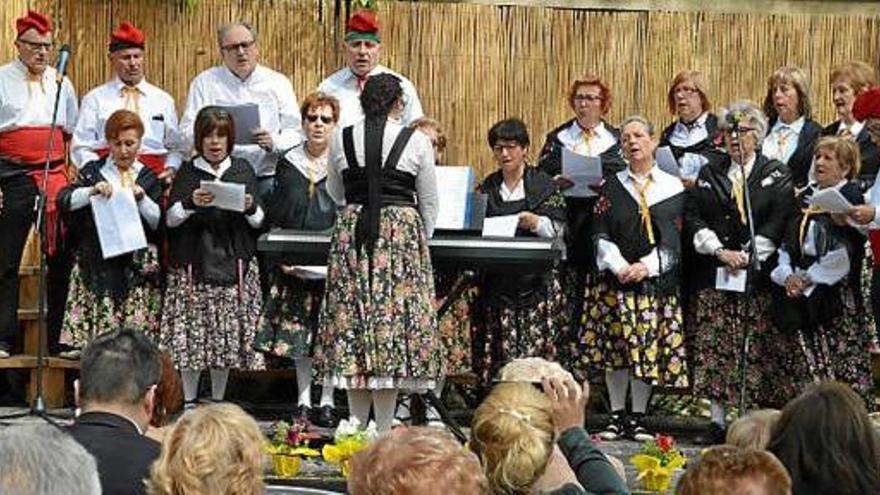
{"points": [[314, 118]]}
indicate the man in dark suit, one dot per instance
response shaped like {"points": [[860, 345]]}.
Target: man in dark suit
{"points": [[116, 390]]}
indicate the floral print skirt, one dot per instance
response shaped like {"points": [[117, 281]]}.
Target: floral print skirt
{"points": [[378, 327], [639, 332], [290, 316], [207, 326], [87, 314], [773, 367], [508, 332], [838, 351], [457, 322]]}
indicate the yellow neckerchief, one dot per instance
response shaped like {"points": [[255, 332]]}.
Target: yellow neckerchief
{"points": [[785, 133], [645, 210], [34, 80], [807, 212], [131, 96], [588, 135]]}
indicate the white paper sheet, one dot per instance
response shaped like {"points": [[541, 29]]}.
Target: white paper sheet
{"points": [[830, 200], [584, 171], [666, 161], [732, 282], [227, 195], [246, 118], [311, 272], [502, 226], [118, 222], [453, 188]]}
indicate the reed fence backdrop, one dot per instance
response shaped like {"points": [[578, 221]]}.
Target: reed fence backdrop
{"points": [[475, 64]]}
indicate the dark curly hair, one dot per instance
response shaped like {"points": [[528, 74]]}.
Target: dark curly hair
{"points": [[379, 95]]}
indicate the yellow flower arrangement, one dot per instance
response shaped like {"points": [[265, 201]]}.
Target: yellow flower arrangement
{"points": [[348, 440], [289, 444], [657, 463]]}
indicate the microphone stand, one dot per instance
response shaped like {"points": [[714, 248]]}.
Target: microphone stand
{"points": [[38, 406], [752, 269]]}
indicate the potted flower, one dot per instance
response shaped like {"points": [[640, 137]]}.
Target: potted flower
{"points": [[348, 439], [289, 444], [657, 462]]}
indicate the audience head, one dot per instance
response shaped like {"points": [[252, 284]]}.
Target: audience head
{"points": [[590, 98], [41, 459], [362, 42], [382, 96], [214, 134], [826, 440], [753, 430], [416, 461], [788, 95], [731, 470], [836, 158], [119, 372], [848, 81], [688, 95], [513, 435], [434, 130], [742, 123], [238, 47], [169, 394], [215, 449], [533, 370]]}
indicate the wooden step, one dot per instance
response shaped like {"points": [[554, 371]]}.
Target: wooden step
{"points": [[53, 376]]}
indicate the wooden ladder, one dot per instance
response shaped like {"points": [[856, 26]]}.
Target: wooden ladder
{"points": [[29, 321]]}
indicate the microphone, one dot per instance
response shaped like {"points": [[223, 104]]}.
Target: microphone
{"points": [[735, 119], [63, 59]]}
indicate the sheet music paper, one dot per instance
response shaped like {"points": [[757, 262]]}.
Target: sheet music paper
{"points": [[584, 171], [311, 272], [454, 185], [246, 118], [227, 195], [118, 222], [730, 281], [666, 161], [830, 200], [500, 226]]}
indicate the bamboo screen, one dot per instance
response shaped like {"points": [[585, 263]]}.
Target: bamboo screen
{"points": [[475, 64]]}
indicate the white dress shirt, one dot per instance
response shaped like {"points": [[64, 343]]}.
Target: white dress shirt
{"points": [[148, 208], [780, 130], [572, 137], [155, 108], [663, 186], [343, 84], [177, 214], [273, 94], [706, 240], [684, 136], [417, 159], [27, 104]]}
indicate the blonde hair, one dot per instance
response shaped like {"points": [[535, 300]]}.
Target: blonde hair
{"points": [[532, 370], [211, 450], [797, 78], [857, 74], [754, 429], [512, 434], [434, 125], [419, 460], [845, 150]]}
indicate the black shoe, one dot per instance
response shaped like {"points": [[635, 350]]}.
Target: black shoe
{"points": [[615, 428], [302, 412], [325, 416], [635, 428], [715, 434]]}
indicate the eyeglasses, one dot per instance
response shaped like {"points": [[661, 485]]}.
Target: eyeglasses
{"points": [[243, 46], [685, 90], [35, 46], [587, 98], [314, 118]]}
